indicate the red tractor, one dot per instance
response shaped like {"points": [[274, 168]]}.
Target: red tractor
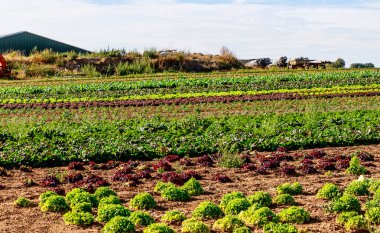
{"points": [[5, 71]]}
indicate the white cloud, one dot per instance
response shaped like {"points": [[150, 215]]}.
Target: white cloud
{"points": [[250, 30]]}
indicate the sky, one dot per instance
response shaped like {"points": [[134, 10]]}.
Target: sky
{"points": [[321, 29]]}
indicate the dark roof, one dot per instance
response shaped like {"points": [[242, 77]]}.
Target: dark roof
{"points": [[26, 41]]}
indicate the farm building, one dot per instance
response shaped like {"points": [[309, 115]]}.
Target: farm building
{"points": [[26, 42]]}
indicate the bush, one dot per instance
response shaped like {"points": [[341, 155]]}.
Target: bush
{"points": [[82, 207], [357, 188], [44, 196], [207, 210], [242, 230], [140, 218], [119, 224], [107, 212], [54, 203], [356, 223], [355, 168], [175, 194], [161, 186], [343, 217], [261, 198], [237, 205], [284, 199], [227, 224], [158, 228], [70, 195], [346, 203], [193, 187], [228, 197], [329, 191], [292, 189], [174, 216], [294, 214], [279, 228], [373, 215], [258, 217], [23, 202], [109, 200], [143, 201], [104, 192], [84, 197], [78, 218], [194, 226]]}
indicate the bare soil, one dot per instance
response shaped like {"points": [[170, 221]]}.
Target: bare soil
{"points": [[14, 219]]}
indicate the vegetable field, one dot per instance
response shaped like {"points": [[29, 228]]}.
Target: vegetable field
{"points": [[149, 136]]}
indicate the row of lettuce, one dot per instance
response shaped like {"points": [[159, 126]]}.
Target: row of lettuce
{"points": [[60, 142]]}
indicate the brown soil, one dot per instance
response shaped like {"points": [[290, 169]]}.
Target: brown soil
{"points": [[13, 219]]}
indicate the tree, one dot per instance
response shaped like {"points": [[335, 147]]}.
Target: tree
{"points": [[339, 63]]}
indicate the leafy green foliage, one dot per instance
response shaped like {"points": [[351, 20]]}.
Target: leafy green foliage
{"points": [[44, 196], [160, 186], [82, 207], [84, 197], [284, 199], [78, 218], [294, 214], [373, 215], [227, 224], [345, 203], [261, 198], [140, 218], [230, 160], [329, 191], [158, 228], [242, 230], [279, 228], [173, 216], [23, 202], [292, 189], [355, 168], [237, 205], [356, 223], [119, 224], [207, 210], [143, 201], [357, 188], [374, 186], [228, 197], [70, 195], [344, 216], [102, 192], [193, 187], [107, 212], [194, 226], [54, 203], [175, 194], [109, 200], [258, 217]]}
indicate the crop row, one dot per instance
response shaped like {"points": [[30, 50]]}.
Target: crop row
{"points": [[169, 86]]}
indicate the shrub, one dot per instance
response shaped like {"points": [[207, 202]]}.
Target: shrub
{"points": [[119, 224], [23, 202], [343, 217], [292, 189], [54, 203], [207, 210], [284, 199], [175, 194], [373, 215], [355, 168], [227, 224], [173, 216], [258, 217], [158, 228], [143, 201], [44, 196], [160, 186], [140, 218], [228, 197], [84, 197], [346, 203], [109, 200], [193, 187], [261, 198], [279, 228], [357, 188], [104, 192], [242, 230], [237, 205], [356, 223], [329, 191], [294, 214], [194, 226], [107, 212], [78, 218], [82, 207], [70, 195]]}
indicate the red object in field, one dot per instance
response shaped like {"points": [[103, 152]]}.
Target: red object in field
{"points": [[5, 71]]}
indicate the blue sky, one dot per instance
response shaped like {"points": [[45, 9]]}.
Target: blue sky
{"points": [[250, 28]]}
